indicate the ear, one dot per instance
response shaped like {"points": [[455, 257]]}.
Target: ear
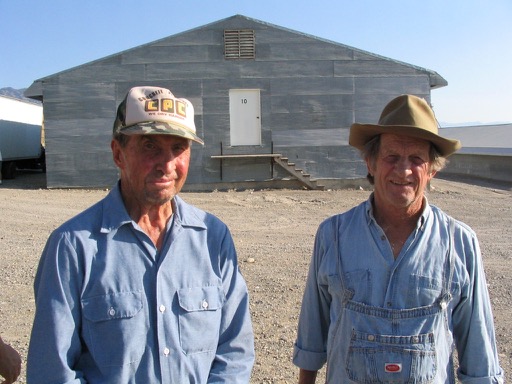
{"points": [[369, 166], [117, 153]]}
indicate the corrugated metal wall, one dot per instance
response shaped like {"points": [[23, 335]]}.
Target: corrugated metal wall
{"points": [[312, 90]]}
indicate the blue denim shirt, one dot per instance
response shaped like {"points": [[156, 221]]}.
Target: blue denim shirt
{"points": [[111, 308], [389, 294]]}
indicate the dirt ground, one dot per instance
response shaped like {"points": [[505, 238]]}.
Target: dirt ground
{"points": [[274, 227]]}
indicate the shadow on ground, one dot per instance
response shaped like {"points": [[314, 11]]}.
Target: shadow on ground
{"points": [[26, 179]]}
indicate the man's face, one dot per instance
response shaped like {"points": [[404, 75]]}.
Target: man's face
{"points": [[153, 168], [401, 171]]}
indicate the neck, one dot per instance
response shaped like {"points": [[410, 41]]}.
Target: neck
{"points": [[397, 224], [152, 219], [154, 223]]}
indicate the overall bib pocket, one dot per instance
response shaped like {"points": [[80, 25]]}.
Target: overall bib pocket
{"points": [[391, 359]]}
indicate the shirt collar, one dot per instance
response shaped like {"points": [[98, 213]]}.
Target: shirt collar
{"points": [[427, 210], [115, 214]]}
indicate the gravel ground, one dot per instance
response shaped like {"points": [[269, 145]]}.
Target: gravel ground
{"points": [[273, 231]]}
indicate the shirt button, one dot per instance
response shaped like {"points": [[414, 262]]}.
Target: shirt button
{"points": [[371, 338], [162, 308], [204, 304], [443, 305], [167, 351], [112, 311]]}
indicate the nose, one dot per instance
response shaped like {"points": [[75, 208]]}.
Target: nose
{"points": [[167, 162], [403, 166]]}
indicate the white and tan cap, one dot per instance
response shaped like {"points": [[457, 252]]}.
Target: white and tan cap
{"points": [[151, 110]]}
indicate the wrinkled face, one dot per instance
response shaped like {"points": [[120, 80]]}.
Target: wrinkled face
{"points": [[401, 171], [153, 168]]}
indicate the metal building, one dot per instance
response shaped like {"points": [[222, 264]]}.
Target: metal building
{"points": [[486, 152], [273, 105]]}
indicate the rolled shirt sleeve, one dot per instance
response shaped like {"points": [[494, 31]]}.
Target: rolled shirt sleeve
{"points": [[473, 324]]}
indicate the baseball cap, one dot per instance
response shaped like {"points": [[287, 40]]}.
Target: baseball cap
{"points": [[149, 110]]}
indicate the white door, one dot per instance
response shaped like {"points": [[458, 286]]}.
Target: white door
{"points": [[244, 117]]}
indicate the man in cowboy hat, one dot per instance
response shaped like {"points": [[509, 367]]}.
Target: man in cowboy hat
{"points": [[143, 287], [395, 283]]}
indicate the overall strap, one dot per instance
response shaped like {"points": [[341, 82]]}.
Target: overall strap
{"points": [[449, 266], [347, 293]]}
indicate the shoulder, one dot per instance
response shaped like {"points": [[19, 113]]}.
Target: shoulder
{"points": [[191, 215], [444, 219], [89, 219], [354, 216]]}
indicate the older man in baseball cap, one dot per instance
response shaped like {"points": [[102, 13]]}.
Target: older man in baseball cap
{"points": [[143, 287], [395, 283]]}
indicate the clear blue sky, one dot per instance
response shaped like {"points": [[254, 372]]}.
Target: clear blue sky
{"points": [[468, 42]]}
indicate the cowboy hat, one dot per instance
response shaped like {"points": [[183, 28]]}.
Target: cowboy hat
{"points": [[406, 115]]}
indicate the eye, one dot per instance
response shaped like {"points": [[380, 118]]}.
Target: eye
{"points": [[180, 146], [149, 144], [417, 160], [391, 159]]}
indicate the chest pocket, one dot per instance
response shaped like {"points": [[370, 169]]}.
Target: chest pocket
{"points": [[425, 290], [200, 317], [115, 328]]}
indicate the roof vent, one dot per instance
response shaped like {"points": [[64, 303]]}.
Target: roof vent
{"points": [[239, 44]]}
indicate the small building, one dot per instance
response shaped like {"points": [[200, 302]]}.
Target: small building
{"points": [[486, 152], [274, 106]]}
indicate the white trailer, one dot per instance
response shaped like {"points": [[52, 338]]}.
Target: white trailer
{"points": [[21, 147]]}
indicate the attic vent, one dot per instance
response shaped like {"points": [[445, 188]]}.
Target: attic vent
{"points": [[239, 44]]}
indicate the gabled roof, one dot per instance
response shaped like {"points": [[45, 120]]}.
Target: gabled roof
{"points": [[436, 80]]}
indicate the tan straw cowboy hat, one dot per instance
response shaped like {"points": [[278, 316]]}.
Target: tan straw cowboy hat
{"points": [[405, 115]]}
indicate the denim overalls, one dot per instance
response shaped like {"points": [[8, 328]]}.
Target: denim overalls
{"points": [[382, 345]]}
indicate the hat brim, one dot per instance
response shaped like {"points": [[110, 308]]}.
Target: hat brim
{"points": [[360, 134], [160, 128]]}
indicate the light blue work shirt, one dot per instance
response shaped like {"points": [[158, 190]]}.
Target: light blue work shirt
{"points": [[111, 308], [375, 319]]}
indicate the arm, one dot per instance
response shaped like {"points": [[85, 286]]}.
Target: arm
{"points": [[235, 352], [55, 344], [10, 363], [310, 350], [473, 321], [307, 377]]}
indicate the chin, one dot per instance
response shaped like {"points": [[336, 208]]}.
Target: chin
{"points": [[160, 197]]}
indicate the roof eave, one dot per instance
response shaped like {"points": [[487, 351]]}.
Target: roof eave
{"points": [[35, 91], [436, 80]]}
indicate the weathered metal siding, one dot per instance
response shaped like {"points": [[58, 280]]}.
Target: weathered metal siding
{"points": [[485, 166], [312, 90], [78, 117]]}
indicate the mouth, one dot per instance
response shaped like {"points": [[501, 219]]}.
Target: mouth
{"points": [[162, 181], [401, 183]]}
